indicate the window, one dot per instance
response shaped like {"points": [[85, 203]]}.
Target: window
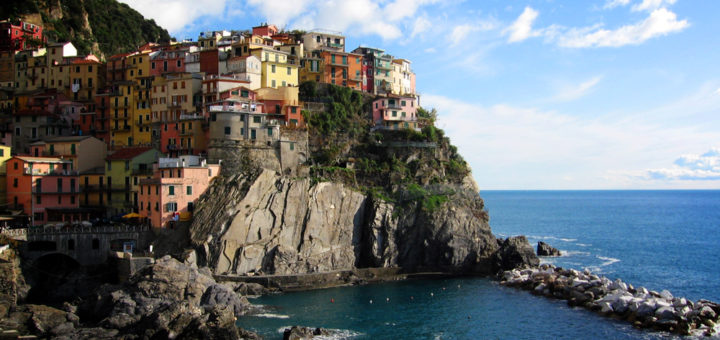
{"points": [[72, 149], [171, 190], [292, 146], [179, 63], [38, 199], [273, 83], [157, 206], [227, 130], [15, 181], [127, 165], [289, 71], [72, 199], [171, 207], [293, 109], [272, 68], [188, 190], [256, 119], [394, 113], [270, 131]]}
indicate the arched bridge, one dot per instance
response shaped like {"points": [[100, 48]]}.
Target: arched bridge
{"points": [[86, 245]]}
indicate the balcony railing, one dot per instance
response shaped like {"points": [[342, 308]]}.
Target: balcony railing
{"points": [[191, 116], [35, 172]]}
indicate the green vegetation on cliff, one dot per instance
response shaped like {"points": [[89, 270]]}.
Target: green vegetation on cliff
{"points": [[402, 166], [103, 27]]}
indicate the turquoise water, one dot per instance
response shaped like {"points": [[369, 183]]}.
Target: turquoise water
{"points": [[657, 239]]}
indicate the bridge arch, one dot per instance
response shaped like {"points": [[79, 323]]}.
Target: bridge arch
{"points": [[50, 271]]}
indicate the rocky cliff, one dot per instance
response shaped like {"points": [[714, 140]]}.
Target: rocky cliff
{"points": [[273, 224]]}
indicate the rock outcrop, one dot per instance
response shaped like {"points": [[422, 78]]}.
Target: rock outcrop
{"points": [[274, 224], [639, 306], [544, 249], [168, 299], [514, 252]]}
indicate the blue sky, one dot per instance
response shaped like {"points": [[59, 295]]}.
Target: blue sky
{"points": [[544, 94]]}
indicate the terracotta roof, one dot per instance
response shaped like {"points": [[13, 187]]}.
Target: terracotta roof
{"points": [[66, 139], [84, 61], [128, 153]]}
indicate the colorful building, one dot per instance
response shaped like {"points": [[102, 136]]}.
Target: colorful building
{"points": [[124, 168], [4, 157], [174, 98], [45, 188], [395, 112], [246, 68], [403, 78], [324, 40], [282, 104], [377, 67], [171, 194], [276, 70], [20, 36], [343, 69]]}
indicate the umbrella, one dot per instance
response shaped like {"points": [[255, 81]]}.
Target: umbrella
{"points": [[132, 215]]}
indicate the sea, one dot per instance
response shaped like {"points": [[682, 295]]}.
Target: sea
{"points": [[656, 239]]}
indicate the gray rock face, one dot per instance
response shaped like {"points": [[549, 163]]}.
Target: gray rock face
{"points": [[515, 252], [544, 249], [273, 224], [168, 300]]}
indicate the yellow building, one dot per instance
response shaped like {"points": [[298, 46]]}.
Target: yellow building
{"points": [[92, 188], [122, 110], [86, 77], [4, 156], [276, 70]]}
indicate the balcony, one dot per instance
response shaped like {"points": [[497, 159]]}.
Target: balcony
{"points": [[122, 128], [339, 64], [92, 188], [394, 106], [186, 133], [35, 172], [142, 172], [194, 116], [57, 192], [174, 105]]}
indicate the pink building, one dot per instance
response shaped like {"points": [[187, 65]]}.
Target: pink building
{"points": [[395, 112], [176, 185], [45, 188], [169, 61]]}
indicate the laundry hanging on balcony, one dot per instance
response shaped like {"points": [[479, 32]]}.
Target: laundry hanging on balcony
{"points": [[75, 87]]}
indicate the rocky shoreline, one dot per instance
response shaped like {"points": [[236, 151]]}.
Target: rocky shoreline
{"points": [[643, 308]]}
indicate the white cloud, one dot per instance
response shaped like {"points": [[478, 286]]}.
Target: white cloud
{"points": [[521, 29], [174, 15], [280, 12], [460, 33], [690, 167], [650, 5], [420, 25], [401, 9], [578, 91], [512, 147], [615, 3], [717, 91], [660, 22]]}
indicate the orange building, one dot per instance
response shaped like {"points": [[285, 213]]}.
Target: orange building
{"points": [[176, 185], [343, 69]]}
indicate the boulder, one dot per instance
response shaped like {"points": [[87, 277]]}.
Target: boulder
{"points": [[302, 333], [515, 252], [544, 249]]}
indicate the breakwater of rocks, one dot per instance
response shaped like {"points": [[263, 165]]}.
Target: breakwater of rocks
{"points": [[642, 307]]}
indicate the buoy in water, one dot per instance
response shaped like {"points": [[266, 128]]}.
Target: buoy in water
{"points": [[370, 301], [432, 294], [387, 299], [332, 300]]}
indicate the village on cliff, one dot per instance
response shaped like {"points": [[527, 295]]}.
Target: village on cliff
{"points": [[138, 135]]}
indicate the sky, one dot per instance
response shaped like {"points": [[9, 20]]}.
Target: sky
{"points": [[536, 94]]}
